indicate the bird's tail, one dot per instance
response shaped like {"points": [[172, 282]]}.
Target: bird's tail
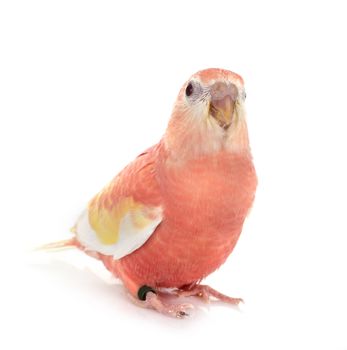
{"points": [[60, 245]]}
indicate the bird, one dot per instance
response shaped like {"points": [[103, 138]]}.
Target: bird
{"points": [[174, 214]]}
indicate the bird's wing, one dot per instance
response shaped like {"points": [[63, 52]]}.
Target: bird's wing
{"points": [[125, 213]]}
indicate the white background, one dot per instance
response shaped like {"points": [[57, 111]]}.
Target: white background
{"points": [[85, 86]]}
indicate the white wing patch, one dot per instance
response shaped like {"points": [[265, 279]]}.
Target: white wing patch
{"points": [[131, 236]]}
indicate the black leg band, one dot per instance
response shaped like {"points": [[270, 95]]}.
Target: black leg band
{"points": [[143, 292]]}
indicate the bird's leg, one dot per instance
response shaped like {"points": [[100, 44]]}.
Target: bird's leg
{"points": [[143, 295], [205, 292], [148, 298]]}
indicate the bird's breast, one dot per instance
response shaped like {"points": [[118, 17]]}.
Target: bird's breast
{"points": [[205, 203], [215, 190]]}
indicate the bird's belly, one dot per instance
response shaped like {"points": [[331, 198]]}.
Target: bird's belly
{"points": [[175, 256]]}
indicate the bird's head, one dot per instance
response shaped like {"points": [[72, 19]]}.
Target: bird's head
{"points": [[208, 116]]}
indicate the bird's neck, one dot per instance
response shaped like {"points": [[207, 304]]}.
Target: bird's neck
{"points": [[182, 146]]}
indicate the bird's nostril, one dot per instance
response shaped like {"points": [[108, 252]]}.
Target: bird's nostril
{"points": [[220, 89]]}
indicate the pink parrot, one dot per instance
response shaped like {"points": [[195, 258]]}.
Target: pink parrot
{"points": [[174, 214]]}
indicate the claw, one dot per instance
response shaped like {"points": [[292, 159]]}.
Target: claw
{"points": [[181, 314]]}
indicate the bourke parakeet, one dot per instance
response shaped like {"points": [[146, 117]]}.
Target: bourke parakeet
{"points": [[174, 214]]}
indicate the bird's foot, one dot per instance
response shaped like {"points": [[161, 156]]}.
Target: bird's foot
{"points": [[206, 292], [154, 301]]}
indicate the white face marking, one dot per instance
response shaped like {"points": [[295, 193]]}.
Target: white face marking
{"points": [[207, 136], [192, 132]]}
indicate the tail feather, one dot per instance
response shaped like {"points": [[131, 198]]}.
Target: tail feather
{"points": [[60, 245]]}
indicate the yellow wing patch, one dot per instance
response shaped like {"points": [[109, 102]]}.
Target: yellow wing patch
{"points": [[117, 229], [106, 221]]}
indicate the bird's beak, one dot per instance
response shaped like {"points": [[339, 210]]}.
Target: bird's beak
{"points": [[223, 97]]}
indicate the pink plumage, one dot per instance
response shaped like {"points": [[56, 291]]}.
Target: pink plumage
{"points": [[184, 200], [206, 202]]}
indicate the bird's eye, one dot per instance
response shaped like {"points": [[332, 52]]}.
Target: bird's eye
{"points": [[189, 89]]}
